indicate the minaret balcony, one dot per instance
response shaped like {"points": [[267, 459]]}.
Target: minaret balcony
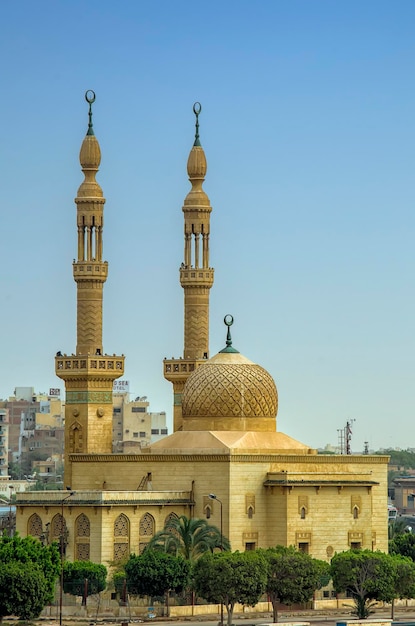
{"points": [[99, 365], [199, 277], [90, 269], [180, 369]]}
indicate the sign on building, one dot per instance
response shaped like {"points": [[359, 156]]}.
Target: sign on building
{"points": [[121, 386], [54, 392]]}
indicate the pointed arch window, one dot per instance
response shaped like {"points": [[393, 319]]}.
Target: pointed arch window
{"points": [[76, 443], [34, 526], [170, 516], [82, 538], [59, 532], [147, 525], [121, 537]]}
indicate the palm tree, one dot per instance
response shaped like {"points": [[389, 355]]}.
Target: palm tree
{"points": [[400, 526], [189, 538]]}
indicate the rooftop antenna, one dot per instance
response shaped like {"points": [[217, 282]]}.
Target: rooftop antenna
{"points": [[345, 437], [348, 435]]}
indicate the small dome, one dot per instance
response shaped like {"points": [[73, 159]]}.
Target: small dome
{"points": [[90, 157], [196, 170], [196, 163], [230, 392], [90, 153]]}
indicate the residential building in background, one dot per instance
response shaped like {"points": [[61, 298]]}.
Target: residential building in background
{"points": [[134, 427], [4, 443]]}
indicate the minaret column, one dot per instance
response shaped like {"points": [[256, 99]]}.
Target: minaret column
{"points": [[89, 374], [196, 277]]}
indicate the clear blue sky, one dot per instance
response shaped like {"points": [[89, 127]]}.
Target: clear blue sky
{"points": [[308, 125]]}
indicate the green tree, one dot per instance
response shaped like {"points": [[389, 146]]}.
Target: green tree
{"points": [[404, 579], [402, 458], [367, 576], [156, 573], [403, 544], [231, 577], [84, 578], [189, 538], [30, 550], [24, 590], [292, 576]]}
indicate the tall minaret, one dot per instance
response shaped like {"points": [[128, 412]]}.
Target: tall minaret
{"points": [[196, 277], [89, 374]]}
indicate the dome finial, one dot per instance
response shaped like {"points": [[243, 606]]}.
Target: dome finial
{"points": [[90, 98], [228, 321], [197, 109]]}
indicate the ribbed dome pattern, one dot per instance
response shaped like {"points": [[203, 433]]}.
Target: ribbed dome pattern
{"points": [[229, 385]]}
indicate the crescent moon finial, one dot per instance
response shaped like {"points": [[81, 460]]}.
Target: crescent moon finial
{"points": [[90, 98], [197, 109]]}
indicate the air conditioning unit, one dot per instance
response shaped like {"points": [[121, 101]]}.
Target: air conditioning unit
{"points": [[31, 449]]}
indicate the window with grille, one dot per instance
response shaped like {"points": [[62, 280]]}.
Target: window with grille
{"points": [[121, 526], [121, 537], [147, 525], [34, 525], [171, 516], [83, 533]]}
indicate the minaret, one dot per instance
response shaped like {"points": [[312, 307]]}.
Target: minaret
{"points": [[196, 277], [89, 374]]}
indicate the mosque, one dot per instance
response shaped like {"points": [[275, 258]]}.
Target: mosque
{"points": [[225, 461]]}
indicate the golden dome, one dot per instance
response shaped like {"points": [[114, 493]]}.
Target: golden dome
{"points": [[230, 392]]}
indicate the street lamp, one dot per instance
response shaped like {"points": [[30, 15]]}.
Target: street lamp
{"points": [[11, 487], [62, 555], [212, 496]]}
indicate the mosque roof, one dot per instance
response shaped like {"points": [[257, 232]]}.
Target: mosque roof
{"points": [[222, 442]]}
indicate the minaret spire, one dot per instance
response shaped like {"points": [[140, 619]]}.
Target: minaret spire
{"points": [[90, 98], [196, 276], [89, 374], [90, 271], [197, 109]]}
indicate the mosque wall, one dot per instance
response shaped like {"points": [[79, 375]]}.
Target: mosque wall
{"points": [[345, 505]]}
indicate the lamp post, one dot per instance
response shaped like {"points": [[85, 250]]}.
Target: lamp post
{"points": [[10, 510], [62, 555], [212, 496]]}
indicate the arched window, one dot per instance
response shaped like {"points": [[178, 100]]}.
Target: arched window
{"points": [[355, 512], [58, 527], [82, 538], [76, 438], [170, 516], [59, 532], [250, 512], [208, 512], [121, 537], [147, 530], [34, 526], [303, 512], [147, 525]]}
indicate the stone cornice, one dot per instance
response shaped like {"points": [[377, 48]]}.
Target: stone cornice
{"points": [[227, 457]]}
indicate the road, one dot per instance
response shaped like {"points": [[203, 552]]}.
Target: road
{"points": [[402, 615]]}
